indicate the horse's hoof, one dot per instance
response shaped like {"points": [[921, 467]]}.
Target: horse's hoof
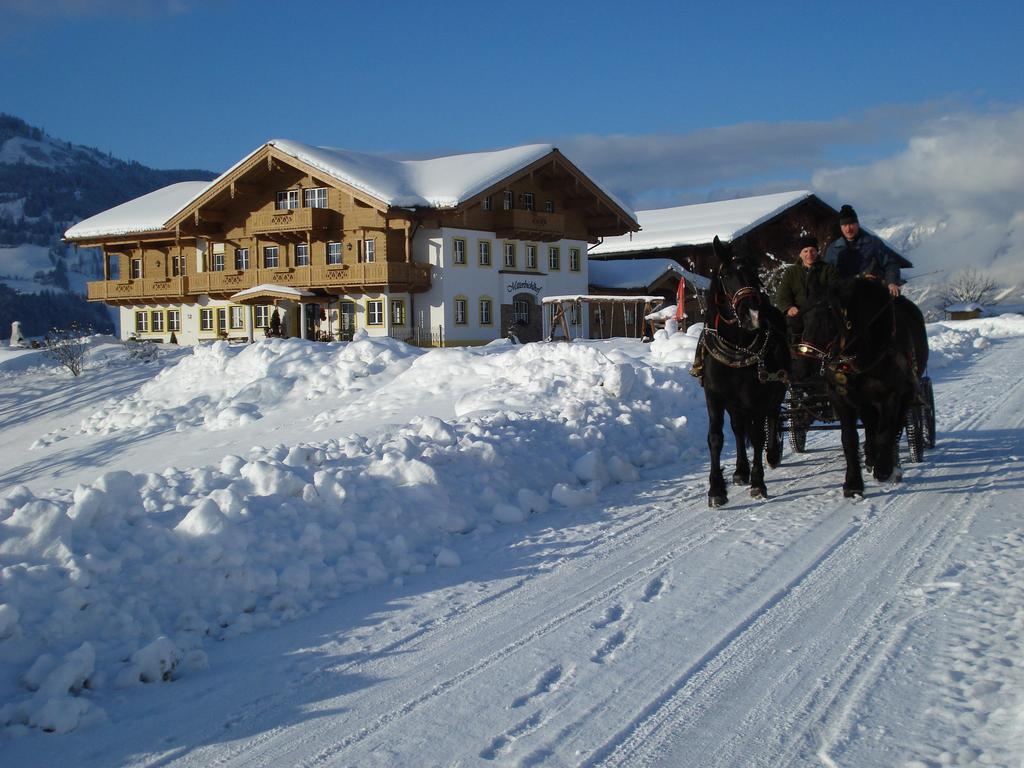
{"points": [[880, 477], [758, 492], [774, 464], [851, 493], [717, 501], [738, 478]]}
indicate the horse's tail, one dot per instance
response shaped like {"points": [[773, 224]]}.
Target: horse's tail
{"points": [[914, 336]]}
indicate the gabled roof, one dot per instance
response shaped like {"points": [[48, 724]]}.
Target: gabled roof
{"points": [[698, 224], [441, 182], [633, 274], [148, 213]]}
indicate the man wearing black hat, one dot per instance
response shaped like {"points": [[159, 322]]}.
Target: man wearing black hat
{"points": [[858, 252], [807, 278]]}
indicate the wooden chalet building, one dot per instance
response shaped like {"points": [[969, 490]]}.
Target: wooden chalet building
{"points": [[447, 251], [765, 227]]}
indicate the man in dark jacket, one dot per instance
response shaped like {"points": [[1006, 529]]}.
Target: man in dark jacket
{"points": [[859, 252], [802, 281]]}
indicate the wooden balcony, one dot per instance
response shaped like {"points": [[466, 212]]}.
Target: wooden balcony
{"points": [[292, 220], [529, 225], [380, 275], [142, 289], [335, 279]]}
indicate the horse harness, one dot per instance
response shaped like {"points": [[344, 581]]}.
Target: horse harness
{"points": [[737, 356]]}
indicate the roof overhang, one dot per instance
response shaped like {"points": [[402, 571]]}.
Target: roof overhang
{"points": [[268, 292]]}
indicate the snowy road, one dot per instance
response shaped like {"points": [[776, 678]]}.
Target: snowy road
{"points": [[652, 631]]}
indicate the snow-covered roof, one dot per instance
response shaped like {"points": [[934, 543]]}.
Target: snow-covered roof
{"points": [[698, 224], [629, 274], [598, 298], [967, 306], [148, 213], [441, 182]]}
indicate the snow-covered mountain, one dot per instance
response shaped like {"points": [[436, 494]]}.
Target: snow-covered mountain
{"points": [[46, 185]]}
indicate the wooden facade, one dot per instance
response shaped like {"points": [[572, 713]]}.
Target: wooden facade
{"points": [[275, 219]]}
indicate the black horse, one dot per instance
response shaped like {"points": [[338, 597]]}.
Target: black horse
{"points": [[745, 359], [873, 351]]}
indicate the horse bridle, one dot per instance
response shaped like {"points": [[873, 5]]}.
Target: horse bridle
{"points": [[741, 294], [842, 362]]}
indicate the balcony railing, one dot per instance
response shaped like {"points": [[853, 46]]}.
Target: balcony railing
{"points": [[142, 288], [400, 276], [291, 220], [518, 224], [380, 274]]}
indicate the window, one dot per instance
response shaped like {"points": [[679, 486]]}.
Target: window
{"points": [[460, 310], [217, 264], [262, 315], [315, 198], [270, 256], [487, 203], [205, 319], [459, 250], [549, 206], [241, 258], [531, 257], [369, 250], [237, 317], [484, 248], [528, 201], [173, 320], [510, 255], [485, 311], [574, 259], [136, 269], [397, 312], [302, 254], [156, 320], [375, 312], [554, 258], [506, 200], [287, 199], [177, 265], [141, 322], [222, 319], [334, 253], [629, 315]]}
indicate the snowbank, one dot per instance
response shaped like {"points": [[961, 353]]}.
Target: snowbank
{"points": [[123, 580]]}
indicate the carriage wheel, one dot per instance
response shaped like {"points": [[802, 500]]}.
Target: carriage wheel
{"points": [[915, 433], [798, 437], [929, 412]]}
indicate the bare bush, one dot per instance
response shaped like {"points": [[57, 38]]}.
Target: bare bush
{"points": [[969, 286], [69, 346]]}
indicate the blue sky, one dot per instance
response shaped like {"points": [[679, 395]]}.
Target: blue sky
{"points": [[669, 101]]}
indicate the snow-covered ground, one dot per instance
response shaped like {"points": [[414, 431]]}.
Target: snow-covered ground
{"points": [[367, 554]]}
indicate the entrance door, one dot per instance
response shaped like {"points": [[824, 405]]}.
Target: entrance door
{"points": [[348, 321], [526, 317]]}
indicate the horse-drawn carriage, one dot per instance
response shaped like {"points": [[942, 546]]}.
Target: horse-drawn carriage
{"points": [[871, 352], [807, 408]]}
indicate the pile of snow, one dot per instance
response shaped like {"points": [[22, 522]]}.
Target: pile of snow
{"points": [[220, 386], [122, 581], [955, 340]]}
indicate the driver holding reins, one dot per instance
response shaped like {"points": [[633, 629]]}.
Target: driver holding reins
{"points": [[860, 253]]}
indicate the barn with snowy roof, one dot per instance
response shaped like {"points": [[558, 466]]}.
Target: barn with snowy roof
{"points": [[765, 227], [320, 242]]}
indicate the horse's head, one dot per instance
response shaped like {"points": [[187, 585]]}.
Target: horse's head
{"points": [[737, 287]]}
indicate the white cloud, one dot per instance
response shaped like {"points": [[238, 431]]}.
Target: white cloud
{"points": [[960, 178]]}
